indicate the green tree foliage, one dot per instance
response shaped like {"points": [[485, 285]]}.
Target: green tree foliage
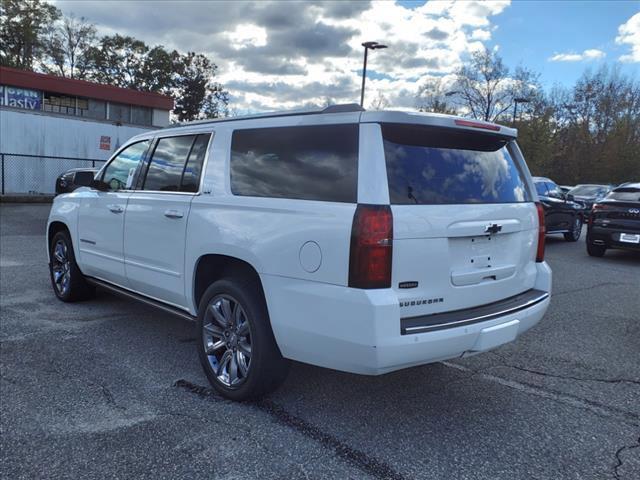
{"points": [[25, 27], [198, 96], [586, 134], [129, 63]]}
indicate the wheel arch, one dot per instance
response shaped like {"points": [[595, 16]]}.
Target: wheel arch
{"points": [[212, 267], [54, 227]]}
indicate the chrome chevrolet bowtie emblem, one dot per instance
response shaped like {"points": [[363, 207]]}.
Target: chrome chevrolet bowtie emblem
{"points": [[492, 229]]}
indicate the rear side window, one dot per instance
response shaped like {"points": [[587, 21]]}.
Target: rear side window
{"points": [[317, 162], [176, 164], [428, 165]]}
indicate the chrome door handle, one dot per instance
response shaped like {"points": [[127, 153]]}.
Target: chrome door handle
{"points": [[173, 214], [115, 208]]}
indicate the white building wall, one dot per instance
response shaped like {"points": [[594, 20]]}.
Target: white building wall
{"points": [[29, 133]]}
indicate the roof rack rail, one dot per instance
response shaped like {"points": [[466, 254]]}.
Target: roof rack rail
{"points": [[341, 108]]}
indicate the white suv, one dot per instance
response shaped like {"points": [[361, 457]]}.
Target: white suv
{"points": [[360, 241]]}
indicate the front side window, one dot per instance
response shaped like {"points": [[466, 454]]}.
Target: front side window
{"points": [[120, 171], [318, 162], [176, 164], [193, 168], [429, 165]]}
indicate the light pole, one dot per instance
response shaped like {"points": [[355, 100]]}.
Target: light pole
{"points": [[367, 46], [516, 101]]}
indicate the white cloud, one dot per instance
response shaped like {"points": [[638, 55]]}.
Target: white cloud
{"points": [[274, 55], [587, 55], [246, 35], [629, 34]]}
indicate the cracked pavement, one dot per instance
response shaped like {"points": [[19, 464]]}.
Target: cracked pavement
{"points": [[113, 389]]}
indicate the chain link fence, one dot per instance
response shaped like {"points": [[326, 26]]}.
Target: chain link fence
{"points": [[36, 174]]}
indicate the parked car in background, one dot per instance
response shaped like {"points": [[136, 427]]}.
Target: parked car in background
{"points": [[74, 178], [565, 188], [615, 221], [360, 241], [562, 214], [588, 194]]}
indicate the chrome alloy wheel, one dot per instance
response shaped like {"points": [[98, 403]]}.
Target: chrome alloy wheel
{"points": [[61, 267], [227, 340]]}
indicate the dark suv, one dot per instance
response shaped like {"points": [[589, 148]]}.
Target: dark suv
{"points": [[74, 178], [615, 221], [561, 213]]}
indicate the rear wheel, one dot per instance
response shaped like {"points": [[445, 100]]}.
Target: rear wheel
{"points": [[576, 230], [595, 250], [67, 280], [236, 347]]}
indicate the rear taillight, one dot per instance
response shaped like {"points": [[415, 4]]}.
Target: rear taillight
{"points": [[542, 231], [597, 207], [371, 247]]}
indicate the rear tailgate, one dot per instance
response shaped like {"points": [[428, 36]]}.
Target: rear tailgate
{"points": [[465, 225]]}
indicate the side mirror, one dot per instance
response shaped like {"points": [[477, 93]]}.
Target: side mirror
{"points": [[99, 185], [570, 197]]}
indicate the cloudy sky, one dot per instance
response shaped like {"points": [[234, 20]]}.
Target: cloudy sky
{"points": [[287, 54]]}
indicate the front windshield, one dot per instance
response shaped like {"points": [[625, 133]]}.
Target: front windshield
{"points": [[589, 190]]}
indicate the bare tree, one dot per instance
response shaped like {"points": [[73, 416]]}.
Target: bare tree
{"points": [[485, 88], [432, 97], [379, 103], [67, 46]]}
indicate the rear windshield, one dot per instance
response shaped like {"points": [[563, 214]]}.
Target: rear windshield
{"points": [[623, 194], [427, 165], [589, 190]]}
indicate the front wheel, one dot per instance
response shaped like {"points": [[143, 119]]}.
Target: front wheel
{"points": [[68, 282], [576, 230], [237, 349]]}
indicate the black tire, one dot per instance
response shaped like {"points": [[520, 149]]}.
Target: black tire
{"points": [[267, 369], [595, 250], [574, 234], [75, 287]]}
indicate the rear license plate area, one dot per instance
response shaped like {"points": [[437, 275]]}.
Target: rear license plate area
{"points": [[629, 238]]}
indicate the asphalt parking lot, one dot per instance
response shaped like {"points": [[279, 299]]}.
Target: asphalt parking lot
{"points": [[113, 389]]}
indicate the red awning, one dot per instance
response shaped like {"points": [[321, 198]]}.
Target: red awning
{"points": [[81, 88]]}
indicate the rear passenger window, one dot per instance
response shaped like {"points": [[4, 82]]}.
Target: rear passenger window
{"points": [[317, 162], [176, 164]]}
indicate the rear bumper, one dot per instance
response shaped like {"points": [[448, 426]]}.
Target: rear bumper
{"points": [[610, 237], [359, 331]]}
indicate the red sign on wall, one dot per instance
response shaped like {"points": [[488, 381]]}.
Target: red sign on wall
{"points": [[105, 143]]}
